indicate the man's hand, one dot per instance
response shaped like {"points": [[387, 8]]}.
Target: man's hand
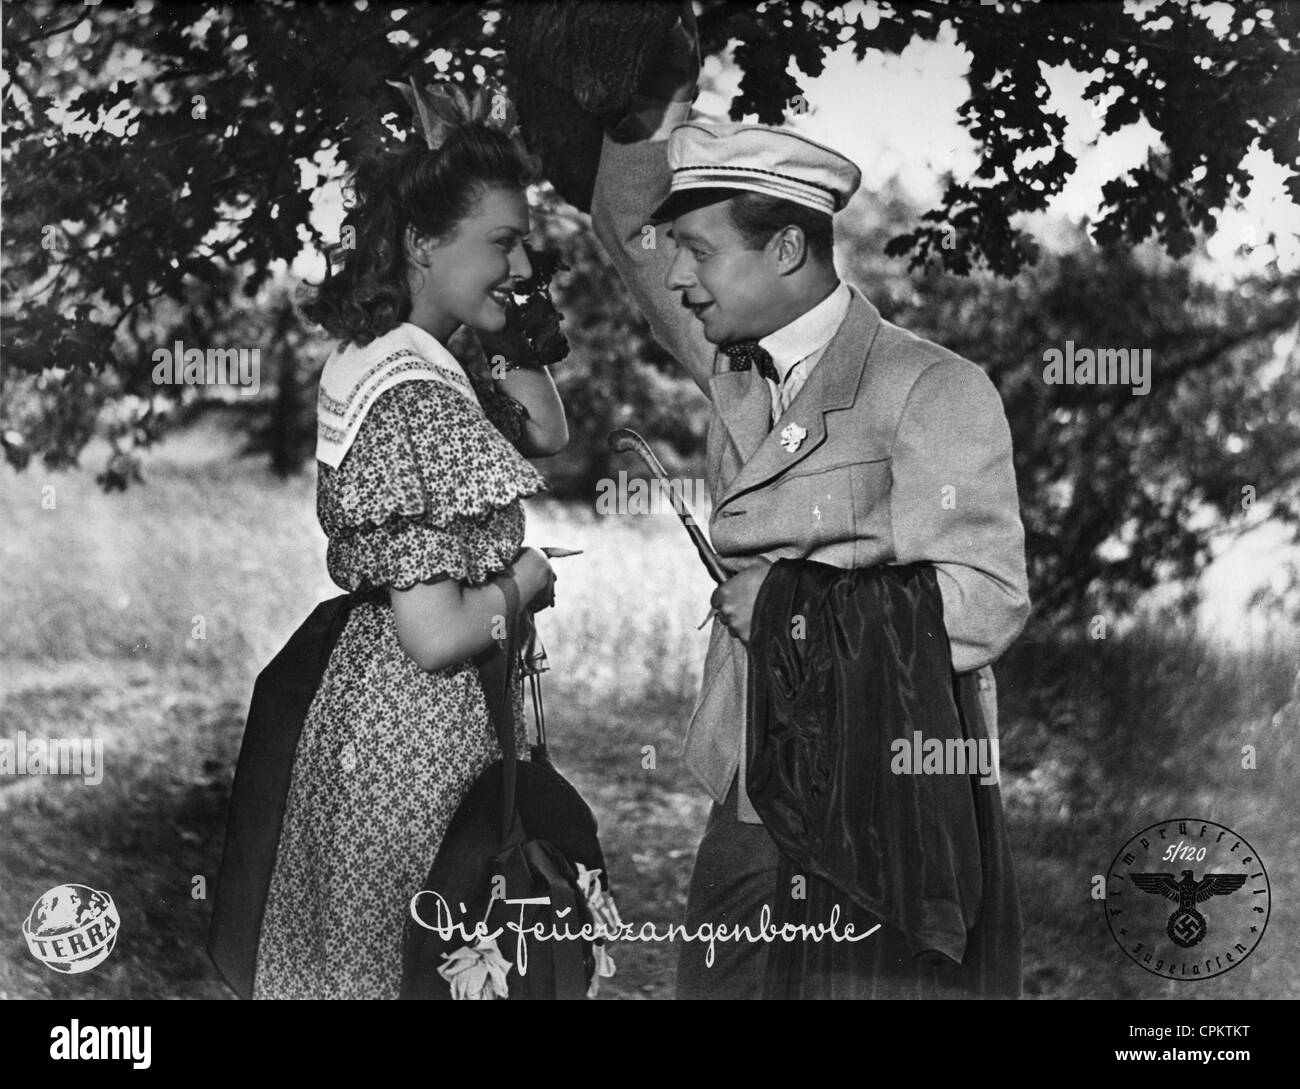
{"points": [[734, 599], [673, 74], [668, 85]]}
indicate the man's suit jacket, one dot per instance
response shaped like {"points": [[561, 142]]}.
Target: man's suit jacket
{"points": [[907, 457]]}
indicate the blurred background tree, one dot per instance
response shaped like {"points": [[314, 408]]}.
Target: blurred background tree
{"points": [[161, 163], [1118, 492]]}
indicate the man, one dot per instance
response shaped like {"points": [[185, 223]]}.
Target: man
{"points": [[835, 436]]}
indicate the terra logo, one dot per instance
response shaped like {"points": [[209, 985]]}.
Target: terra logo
{"points": [[1187, 899], [72, 928]]}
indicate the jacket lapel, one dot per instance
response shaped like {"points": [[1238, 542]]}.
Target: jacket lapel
{"points": [[833, 384], [744, 402]]}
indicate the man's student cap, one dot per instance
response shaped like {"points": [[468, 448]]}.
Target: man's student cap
{"points": [[757, 158]]}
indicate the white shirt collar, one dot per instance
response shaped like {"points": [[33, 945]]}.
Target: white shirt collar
{"points": [[809, 332]]}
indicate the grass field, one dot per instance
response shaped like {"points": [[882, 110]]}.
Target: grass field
{"points": [[103, 596]]}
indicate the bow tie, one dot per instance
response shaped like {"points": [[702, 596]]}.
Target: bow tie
{"points": [[749, 353]]}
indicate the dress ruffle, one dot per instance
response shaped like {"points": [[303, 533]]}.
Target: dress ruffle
{"points": [[404, 552], [429, 490]]}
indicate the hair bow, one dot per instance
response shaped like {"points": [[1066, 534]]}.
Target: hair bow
{"points": [[443, 106]]}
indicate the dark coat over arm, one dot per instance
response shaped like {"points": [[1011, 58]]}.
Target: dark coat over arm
{"points": [[835, 700]]}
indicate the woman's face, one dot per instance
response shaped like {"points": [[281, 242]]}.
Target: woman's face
{"points": [[468, 278]]}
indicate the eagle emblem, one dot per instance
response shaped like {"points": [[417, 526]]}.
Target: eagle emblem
{"points": [[1187, 926]]}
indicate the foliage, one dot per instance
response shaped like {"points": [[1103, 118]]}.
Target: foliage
{"points": [[161, 162], [1120, 491], [203, 128]]}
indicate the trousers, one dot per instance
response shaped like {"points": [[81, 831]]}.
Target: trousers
{"points": [[735, 874]]}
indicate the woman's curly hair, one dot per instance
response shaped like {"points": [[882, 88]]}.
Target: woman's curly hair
{"points": [[365, 292]]}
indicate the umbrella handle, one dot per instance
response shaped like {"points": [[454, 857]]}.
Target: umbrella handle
{"points": [[624, 439]]}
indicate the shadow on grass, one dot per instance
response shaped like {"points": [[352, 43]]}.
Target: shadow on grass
{"points": [[1099, 740], [1103, 738]]}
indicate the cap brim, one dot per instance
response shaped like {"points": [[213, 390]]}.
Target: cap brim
{"points": [[688, 200]]}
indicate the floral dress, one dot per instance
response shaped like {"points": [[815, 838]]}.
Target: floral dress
{"points": [[430, 489]]}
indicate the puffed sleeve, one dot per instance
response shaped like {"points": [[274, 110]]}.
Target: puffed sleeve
{"points": [[429, 490]]}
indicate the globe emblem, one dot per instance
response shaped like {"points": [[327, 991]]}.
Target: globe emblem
{"points": [[72, 928]]}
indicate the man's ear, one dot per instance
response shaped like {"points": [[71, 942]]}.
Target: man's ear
{"points": [[791, 249]]}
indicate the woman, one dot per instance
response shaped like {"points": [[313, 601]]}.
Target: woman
{"points": [[419, 493]]}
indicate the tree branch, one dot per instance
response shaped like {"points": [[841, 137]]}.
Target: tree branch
{"points": [[51, 32]]}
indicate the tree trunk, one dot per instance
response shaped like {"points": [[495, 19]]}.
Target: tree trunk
{"points": [[286, 445]]}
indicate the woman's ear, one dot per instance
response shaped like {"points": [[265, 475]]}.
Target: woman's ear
{"points": [[419, 247]]}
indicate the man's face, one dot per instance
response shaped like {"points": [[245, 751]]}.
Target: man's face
{"points": [[728, 287]]}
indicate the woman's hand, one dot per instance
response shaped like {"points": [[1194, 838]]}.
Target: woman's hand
{"points": [[536, 579], [532, 335], [509, 343]]}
